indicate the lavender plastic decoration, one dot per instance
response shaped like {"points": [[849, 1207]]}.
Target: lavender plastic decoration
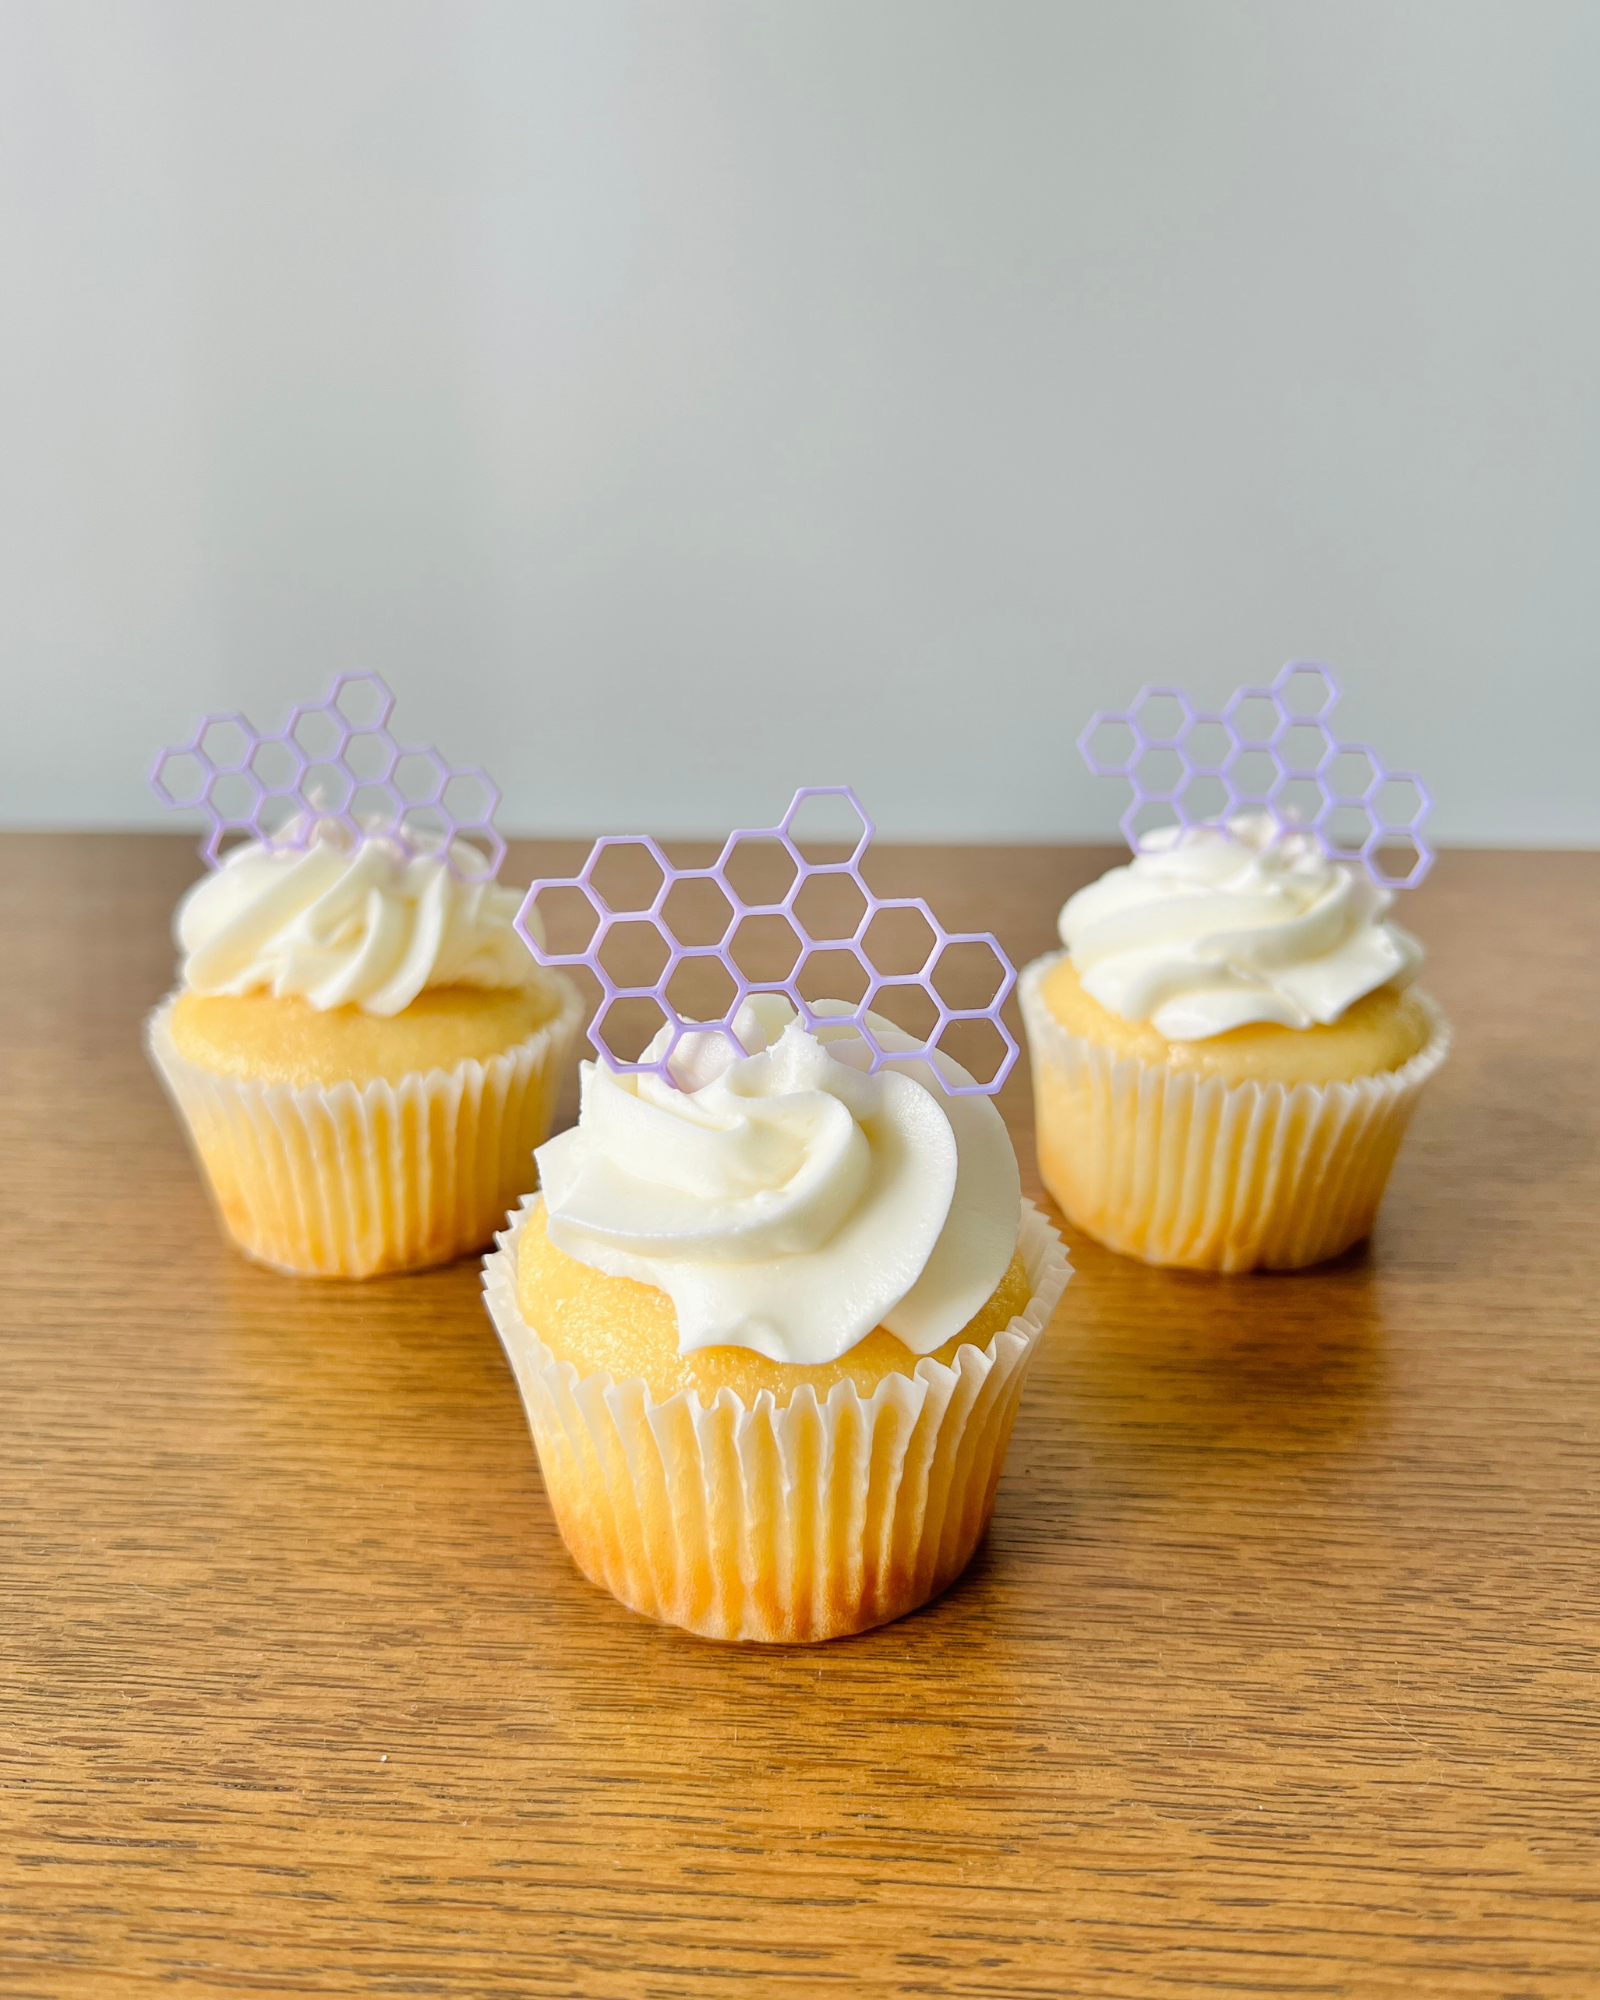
{"points": [[722, 952], [1267, 751], [334, 762]]}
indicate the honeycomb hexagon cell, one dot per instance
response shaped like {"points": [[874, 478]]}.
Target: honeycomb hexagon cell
{"points": [[317, 729], [1395, 861], [699, 984], [1161, 717], [842, 811], [767, 946], [1350, 774], [637, 954], [1207, 745], [180, 778], [1271, 749], [770, 891], [1306, 691], [1109, 745], [1252, 716], [418, 776], [1399, 802], [226, 741], [910, 1004], [899, 938], [836, 969], [235, 799], [1161, 772], [334, 762], [278, 766], [1303, 748], [363, 701], [626, 872], [567, 913], [830, 902], [759, 870], [696, 911]]}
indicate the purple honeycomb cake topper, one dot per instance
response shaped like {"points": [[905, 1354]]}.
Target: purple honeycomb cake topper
{"points": [[1269, 749], [780, 910], [334, 764]]}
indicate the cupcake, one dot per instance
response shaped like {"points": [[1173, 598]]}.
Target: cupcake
{"points": [[770, 1315], [360, 1046], [1229, 1048]]}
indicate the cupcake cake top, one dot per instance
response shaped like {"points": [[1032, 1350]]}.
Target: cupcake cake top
{"points": [[363, 869], [1261, 892], [797, 1171]]}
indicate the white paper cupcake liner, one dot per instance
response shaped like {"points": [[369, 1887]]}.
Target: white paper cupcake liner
{"points": [[349, 1180], [1178, 1169], [794, 1524]]}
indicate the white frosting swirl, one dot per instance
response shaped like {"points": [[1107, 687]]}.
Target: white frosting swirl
{"points": [[1211, 928], [782, 1198], [347, 923]]}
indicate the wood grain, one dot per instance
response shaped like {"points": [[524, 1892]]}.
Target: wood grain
{"points": [[1276, 1675]]}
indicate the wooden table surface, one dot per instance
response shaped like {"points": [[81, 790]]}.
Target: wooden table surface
{"points": [[1275, 1676]]}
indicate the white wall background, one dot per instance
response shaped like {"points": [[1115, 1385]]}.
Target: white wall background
{"points": [[685, 399]]}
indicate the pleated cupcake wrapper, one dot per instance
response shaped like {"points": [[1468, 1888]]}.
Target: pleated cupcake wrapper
{"points": [[348, 1180], [1179, 1169], [780, 1524]]}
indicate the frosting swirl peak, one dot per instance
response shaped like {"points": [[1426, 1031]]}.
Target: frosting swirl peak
{"points": [[785, 1200], [1213, 928], [344, 923]]}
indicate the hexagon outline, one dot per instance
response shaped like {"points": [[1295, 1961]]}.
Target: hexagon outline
{"points": [[868, 830], [876, 907], [1099, 766], [1287, 672], [1142, 700]]}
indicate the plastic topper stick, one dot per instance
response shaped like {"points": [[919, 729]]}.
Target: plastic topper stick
{"points": [[1271, 749], [859, 945], [333, 762]]}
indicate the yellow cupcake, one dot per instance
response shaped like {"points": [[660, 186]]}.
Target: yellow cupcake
{"points": [[624, 1328], [828, 1465], [363, 1053], [1381, 1031], [271, 1040], [1233, 1092]]}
